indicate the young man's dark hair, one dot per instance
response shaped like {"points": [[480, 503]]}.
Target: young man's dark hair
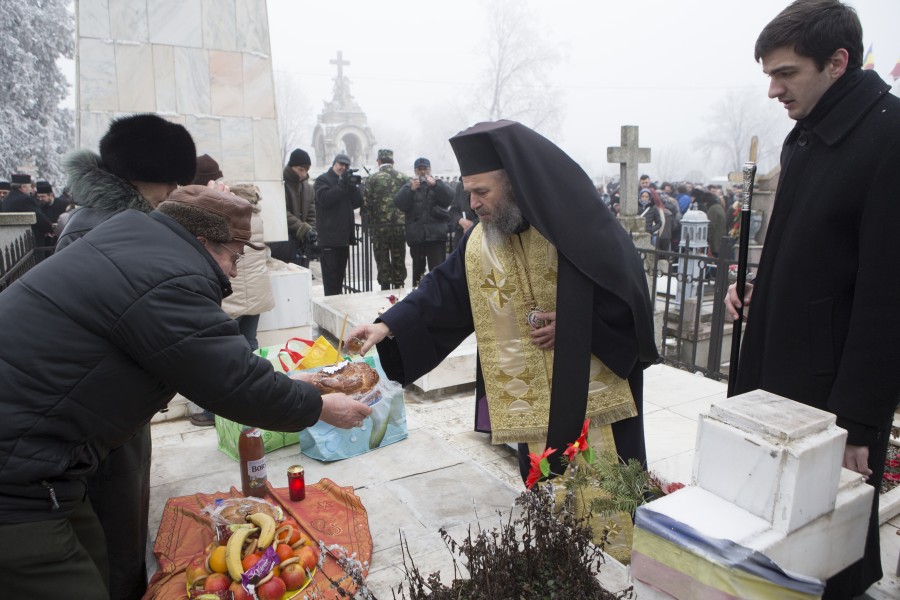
{"points": [[815, 29]]}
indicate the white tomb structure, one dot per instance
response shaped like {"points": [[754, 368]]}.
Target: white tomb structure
{"points": [[771, 513]]}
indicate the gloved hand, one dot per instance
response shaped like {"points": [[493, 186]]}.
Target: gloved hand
{"points": [[302, 232], [345, 178]]}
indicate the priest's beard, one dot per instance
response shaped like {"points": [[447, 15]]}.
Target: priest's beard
{"points": [[506, 219]]}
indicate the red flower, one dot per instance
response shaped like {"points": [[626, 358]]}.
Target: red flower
{"points": [[392, 299], [540, 467], [672, 487], [580, 445], [894, 463], [892, 476]]}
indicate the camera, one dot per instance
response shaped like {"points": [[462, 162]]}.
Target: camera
{"points": [[423, 181], [351, 176]]}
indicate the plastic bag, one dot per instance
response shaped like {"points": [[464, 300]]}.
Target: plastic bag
{"points": [[234, 511], [321, 353]]}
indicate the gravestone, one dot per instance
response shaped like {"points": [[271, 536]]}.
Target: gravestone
{"points": [[629, 156], [768, 501]]}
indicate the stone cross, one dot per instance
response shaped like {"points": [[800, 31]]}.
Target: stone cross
{"points": [[339, 90], [629, 156]]}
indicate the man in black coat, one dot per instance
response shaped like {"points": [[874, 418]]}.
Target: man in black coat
{"points": [[425, 202], [337, 195], [21, 200], [148, 322], [824, 322]]}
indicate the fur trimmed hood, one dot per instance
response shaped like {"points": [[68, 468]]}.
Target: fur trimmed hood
{"points": [[92, 185]]}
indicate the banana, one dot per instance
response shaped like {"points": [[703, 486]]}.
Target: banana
{"points": [[266, 526], [233, 551]]}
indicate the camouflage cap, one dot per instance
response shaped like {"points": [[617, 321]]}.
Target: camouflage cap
{"points": [[385, 155]]}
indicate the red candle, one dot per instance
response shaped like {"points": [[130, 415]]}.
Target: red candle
{"points": [[296, 483]]}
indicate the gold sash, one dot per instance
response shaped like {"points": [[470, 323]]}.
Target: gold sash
{"points": [[518, 374]]}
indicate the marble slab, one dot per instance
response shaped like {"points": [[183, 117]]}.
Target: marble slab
{"points": [[136, 90], [164, 78], [93, 18], [226, 73], [266, 150], [97, 83], [291, 289], [128, 20], [237, 152], [253, 33], [259, 90], [176, 22], [219, 25], [778, 459], [207, 134], [192, 81]]}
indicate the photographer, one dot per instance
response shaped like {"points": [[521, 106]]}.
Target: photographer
{"points": [[426, 203], [337, 195]]}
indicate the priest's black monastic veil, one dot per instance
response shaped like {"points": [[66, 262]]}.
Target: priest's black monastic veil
{"points": [[558, 198]]}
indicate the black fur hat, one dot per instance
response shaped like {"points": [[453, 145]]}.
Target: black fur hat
{"points": [[146, 147]]}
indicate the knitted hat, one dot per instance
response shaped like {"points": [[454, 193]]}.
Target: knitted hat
{"points": [[207, 168], [146, 147], [299, 158], [422, 162], [43, 187], [218, 211], [341, 158]]}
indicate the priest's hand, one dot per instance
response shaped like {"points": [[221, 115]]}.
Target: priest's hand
{"points": [[369, 335], [856, 458], [732, 303], [545, 337], [343, 411]]}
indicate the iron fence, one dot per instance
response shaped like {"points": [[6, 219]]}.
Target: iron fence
{"points": [[16, 259], [688, 290]]}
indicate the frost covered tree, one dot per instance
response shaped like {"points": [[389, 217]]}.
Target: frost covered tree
{"points": [[33, 127]]}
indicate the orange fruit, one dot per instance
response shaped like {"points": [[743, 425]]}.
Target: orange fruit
{"points": [[217, 560], [250, 560], [284, 551]]}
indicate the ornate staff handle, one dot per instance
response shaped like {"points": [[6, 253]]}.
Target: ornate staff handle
{"points": [[749, 172]]}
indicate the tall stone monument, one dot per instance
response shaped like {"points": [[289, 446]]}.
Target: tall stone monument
{"points": [[342, 125], [205, 64], [629, 156]]}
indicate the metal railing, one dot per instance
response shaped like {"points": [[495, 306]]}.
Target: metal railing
{"points": [[688, 290], [16, 259]]}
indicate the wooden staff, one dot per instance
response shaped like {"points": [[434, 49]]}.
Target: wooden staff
{"points": [[749, 172]]}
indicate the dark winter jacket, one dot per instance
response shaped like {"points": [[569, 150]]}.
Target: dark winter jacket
{"points": [[96, 339], [335, 202], [427, 212], [300, 204], [461, 207], [97, 194]]}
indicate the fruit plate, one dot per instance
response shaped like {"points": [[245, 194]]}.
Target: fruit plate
{"points": [[213, 595]]}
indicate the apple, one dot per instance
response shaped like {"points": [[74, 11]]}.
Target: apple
{"points": [[294, 576], [309, 557], [196, 569], [273, 589], [239, 592], [217, 582]]}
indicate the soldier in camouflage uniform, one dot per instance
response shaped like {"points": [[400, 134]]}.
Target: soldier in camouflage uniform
{"points": [[385, 221]]}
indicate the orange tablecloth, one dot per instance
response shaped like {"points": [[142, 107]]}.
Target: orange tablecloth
{"points": [[330, 513]]}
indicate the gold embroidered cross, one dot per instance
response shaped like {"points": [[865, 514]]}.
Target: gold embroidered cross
{"points": [[493, 288]]}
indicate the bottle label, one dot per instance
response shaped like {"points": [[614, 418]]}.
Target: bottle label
{"points": [[256, 472]]}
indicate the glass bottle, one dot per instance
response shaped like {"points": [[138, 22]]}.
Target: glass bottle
{"points": [[253, 462]]}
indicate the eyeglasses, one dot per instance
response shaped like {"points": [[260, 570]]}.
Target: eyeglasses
{"points": [[235, 256]]}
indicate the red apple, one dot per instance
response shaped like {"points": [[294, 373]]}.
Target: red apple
{"points": [[196, 568], [217, 582], [239, 592], [273, 589], [294, 576], [309, 557]]}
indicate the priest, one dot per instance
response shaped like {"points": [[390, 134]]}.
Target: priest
{"points": [[555, 292]]}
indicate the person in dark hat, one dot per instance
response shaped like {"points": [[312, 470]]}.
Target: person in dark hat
{"points": [[5, 189], [21, 200], [337, 195], [51, 206], [300, 206], [149, 323], [425, 202], [547, 262], [142, 159], [385, 221]]}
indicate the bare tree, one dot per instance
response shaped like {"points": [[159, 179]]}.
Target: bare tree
{"points": [[515, 83], [734, 120], [295, 115]]}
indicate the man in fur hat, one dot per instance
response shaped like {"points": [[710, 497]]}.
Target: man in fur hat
{"points": [[21, 200], [142, 159], [148, 325]]}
